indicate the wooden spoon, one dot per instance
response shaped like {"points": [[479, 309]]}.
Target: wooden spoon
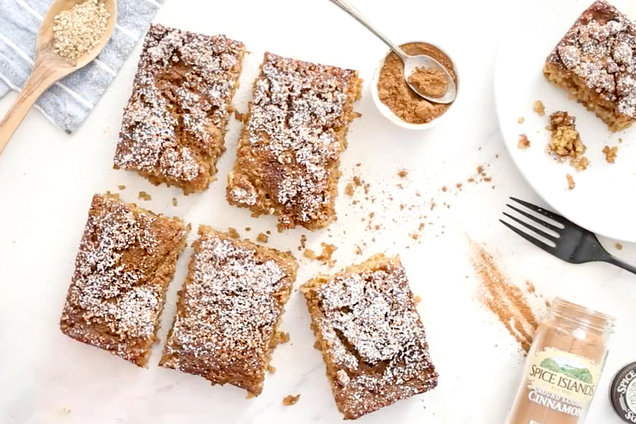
{"points": [[49, 67]]}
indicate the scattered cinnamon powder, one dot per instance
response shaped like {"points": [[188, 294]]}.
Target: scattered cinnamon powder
{"points": [[503, 298], [233, 233], [524, 142], [290, 400], [539, 107], [144, 196], [395, 93], [263, 238], [429, 81], [610, 153]]}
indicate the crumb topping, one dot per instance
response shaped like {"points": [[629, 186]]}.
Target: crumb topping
{"points": [[231, 307], [182, 91], [105, 286], [370, 318], [297, 112], [600, 50]]}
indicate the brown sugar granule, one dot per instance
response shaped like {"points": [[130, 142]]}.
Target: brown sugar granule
{"points": [[349, 190], [521, 120], [121, 187], [571, 183], [429, 81], [524, 142], [539, 108], [395, 93], [263, 238], [503, 298], [610, 153], [290, 400], [403, 173], [174, 201], [144, 196], [233, 233]]}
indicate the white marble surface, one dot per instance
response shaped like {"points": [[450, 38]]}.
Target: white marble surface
{"points": [[47, 179]]}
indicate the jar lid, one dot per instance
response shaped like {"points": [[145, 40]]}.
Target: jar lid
{"points": [[623, 393]]}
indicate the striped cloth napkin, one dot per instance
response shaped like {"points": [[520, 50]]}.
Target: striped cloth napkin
{"points": [[68, 102]]}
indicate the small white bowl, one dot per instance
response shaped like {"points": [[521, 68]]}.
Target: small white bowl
{"points": [[388, 113]]}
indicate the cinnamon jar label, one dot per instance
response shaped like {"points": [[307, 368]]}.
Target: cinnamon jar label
{"points": [[562, 381]]}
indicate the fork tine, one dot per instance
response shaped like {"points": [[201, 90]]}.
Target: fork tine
{"points": [[551, 215], [536, 219], [531, 227], [529, 238]]}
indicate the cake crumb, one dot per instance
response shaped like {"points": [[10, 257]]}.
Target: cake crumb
{"points": [[174, 201], [121, 187], [290, 400], [263, 238], [144, 196], [414, 236], [248, 229], [233, 233], [239, 116], [303, 241], [610, 153], [403, 173], [349, 189], [565, 141], [271, 369], [521, 120], [417, 299], [325, 254], [524, 142], [580, 164], [539, 108], [571, 183], [282, 337], [618, 246]]}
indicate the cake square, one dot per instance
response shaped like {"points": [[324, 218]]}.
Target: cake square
{"points": [[595, 61], [229, 310], [175, 122], [126, 260], [371, 336], [289, 151]]}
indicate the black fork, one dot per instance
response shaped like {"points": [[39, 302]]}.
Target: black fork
{"points": [[561, 238]]}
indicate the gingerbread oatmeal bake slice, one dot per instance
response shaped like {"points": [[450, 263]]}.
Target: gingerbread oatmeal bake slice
{"points": [[229, 310], [289, 151], [126, 260], [175, 122], [371, 336], [595, 61]]}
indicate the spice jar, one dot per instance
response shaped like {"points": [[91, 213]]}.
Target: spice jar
{"points": [[563, 367]]}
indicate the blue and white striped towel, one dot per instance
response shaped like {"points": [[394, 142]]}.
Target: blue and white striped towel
{"points": [[67, 103]]}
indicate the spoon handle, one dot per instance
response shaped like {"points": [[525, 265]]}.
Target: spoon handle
{"points": [[38, 82], [351, 10]]}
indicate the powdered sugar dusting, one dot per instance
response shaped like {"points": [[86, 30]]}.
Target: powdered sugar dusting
{"points": [[109, 290], [231, 305], [297, 112], [174, 123], [600, 50], [375, 336]]}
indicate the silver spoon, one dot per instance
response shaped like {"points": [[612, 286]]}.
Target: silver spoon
{"points": [[411, 63]]}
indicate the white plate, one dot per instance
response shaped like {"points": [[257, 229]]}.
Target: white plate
{"points": [[604, 200]]}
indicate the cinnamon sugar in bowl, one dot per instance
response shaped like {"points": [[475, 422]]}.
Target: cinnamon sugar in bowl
{"points": [[395, 99]]}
